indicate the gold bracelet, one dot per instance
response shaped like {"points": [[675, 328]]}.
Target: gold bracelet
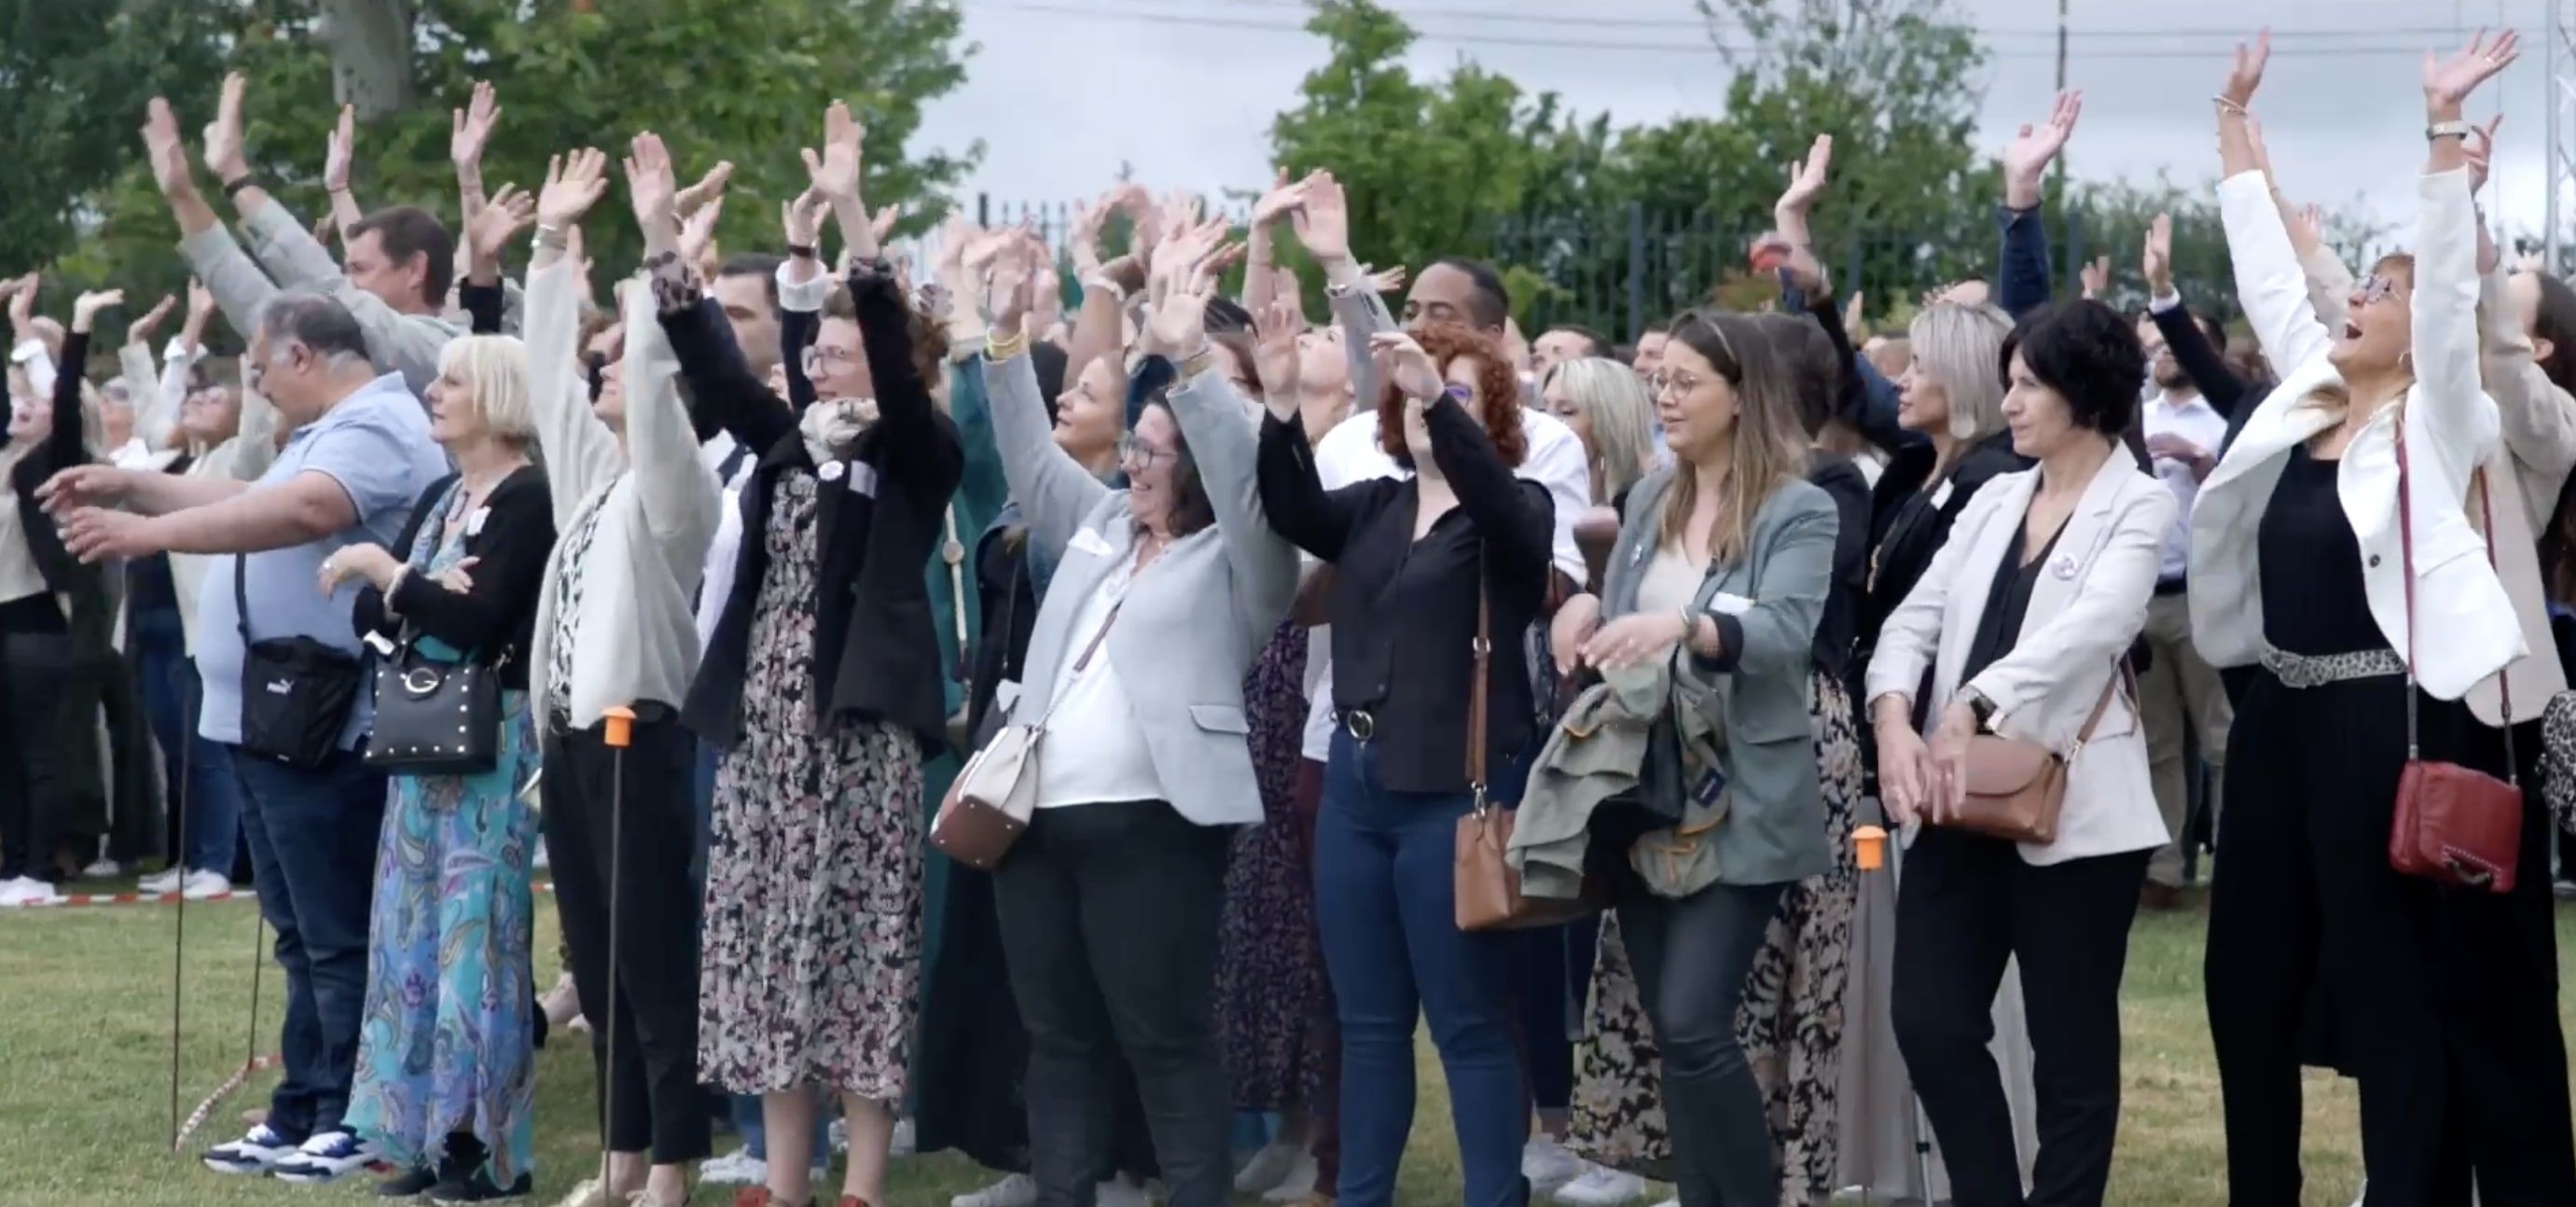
{"points": [[2228, 105], [997, 348]]}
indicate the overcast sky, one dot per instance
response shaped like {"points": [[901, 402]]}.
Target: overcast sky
{"points": [[1062, 91]]}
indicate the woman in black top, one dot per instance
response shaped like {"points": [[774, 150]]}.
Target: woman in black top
{"points": [[1420, 565], [56, 621], [446, 1077]]}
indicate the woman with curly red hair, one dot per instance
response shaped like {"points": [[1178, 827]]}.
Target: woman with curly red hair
{"points": [[1419, 564]]}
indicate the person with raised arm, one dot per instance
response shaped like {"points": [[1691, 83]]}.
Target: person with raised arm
{"points": [[399, 259], [636, 510], [2338, 547]]}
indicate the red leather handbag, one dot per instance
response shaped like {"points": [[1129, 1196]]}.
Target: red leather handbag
{"points": [[2454, 824]]}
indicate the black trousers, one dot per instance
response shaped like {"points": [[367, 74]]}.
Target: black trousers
{"points": [[1965, 904], [2441, 1002], [652, 1004], [1109, 915], [1691, 958], [34, 666]]}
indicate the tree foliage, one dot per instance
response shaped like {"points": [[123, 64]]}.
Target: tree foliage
{"points": [[745, 80]]}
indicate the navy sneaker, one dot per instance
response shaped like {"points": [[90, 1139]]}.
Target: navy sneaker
{"points": [[256, 1153], [327, 1157]]}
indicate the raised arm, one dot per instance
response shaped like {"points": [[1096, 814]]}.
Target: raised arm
{"points": [[922, 448], [2024, 283], [2191, 349], [678, 493], [581, 454], [64, 446], [1210, 413], [2538, 417], [1055, 492], [2456, 418]]}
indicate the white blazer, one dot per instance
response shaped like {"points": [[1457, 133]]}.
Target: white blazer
{"points": [[2452, 429], [2087, 607]]}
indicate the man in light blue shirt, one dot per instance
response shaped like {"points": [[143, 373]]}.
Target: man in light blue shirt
{"points": [[359, 460]]}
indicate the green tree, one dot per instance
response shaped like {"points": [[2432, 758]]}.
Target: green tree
{"points": [[569, 73]]}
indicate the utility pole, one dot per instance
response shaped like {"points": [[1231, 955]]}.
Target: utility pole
{"points": [[2060, 167]]}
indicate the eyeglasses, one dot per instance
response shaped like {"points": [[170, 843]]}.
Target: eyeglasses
{"points": [[1135, 451], [818, 355], [2377, 287], [1682, 383]]}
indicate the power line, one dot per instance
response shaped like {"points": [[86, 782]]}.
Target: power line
{"points": [[1712, 47]]}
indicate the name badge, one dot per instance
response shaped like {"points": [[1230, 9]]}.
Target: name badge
{"points": [[1711, 783], [1728, 603], [1087, 541], [863, 479], [474, 522], [1941, 495]]}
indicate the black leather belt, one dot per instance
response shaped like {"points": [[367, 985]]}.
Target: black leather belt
{"points": [[2173, 586]]}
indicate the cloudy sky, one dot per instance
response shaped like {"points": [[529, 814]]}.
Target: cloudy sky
{"points": [[1062, 91]]}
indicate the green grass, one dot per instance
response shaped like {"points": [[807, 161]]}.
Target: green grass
{"points": [[85, 1067]]}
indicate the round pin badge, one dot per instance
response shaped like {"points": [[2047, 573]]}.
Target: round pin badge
{"points": [[952, 553], [831, 471]]}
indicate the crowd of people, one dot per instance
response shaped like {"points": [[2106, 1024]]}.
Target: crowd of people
{"points": [[726, 580]]}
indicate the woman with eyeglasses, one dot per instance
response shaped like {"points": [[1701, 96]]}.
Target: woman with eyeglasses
{"points": [[1421, 565], [2342, 545], [822, 684], [1163, 592]]}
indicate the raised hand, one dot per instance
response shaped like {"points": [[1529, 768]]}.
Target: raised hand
{"points": [[1806, 183], [574, 183], [339, 150], [2096, 277], [653, 191], [2027, 157], [85, 308], [2156, 262], [881, 227], [1275, 356], [141, 330], [835, 172], [1323, 220], [502, 217], [1144, 216], [22, 303], [1010, 281], [1283, 198], [2481, 152], [1403, 362], [201, 301], [83, 486], [224, 153], [698, 234], [469, 129], [2449, 81], [2246, 75], [167, 151], [709, 187], [1083, 244], [801, 219], [1389, 281]]}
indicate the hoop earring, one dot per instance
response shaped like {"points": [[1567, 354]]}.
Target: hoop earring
{"points": [[2406, 360]]}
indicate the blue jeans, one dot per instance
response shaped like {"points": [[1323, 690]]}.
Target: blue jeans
{"points": [[199, 772], [1385, 904], [745, 1109], [313, 853]]}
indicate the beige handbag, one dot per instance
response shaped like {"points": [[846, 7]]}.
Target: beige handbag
{"points": [[989, 805]]}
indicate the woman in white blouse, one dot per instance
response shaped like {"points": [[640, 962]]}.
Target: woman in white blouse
{"points": [[2440, 1000]]}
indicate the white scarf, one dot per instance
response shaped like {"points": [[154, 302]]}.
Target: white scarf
{"points": [[831, 427]]}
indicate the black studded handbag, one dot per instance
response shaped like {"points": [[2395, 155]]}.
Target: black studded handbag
{"points": [[433, 717]]}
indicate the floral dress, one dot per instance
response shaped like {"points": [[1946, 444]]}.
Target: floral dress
{"points": [[1269, 969], [1791, 1020], [445, 1046], [812, 964]]}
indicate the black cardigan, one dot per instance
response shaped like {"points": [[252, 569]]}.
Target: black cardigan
{"points": [[876, 651], [493, 622], [1899, 556], [63, 573]]}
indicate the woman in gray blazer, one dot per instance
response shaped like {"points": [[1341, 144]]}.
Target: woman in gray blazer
{"points": [[1163, 592], [1721, 571]]}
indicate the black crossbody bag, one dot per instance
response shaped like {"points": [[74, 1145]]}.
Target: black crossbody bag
{"points": [[295, 691]]}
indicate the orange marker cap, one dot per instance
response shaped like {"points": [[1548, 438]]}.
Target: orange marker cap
{"points": [[621, 727], [1869, 847]]}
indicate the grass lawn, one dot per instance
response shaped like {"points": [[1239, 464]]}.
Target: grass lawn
{"points": [[84, 1075]]}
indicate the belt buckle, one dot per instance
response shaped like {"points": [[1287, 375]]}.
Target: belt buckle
{"points": [[1360, 725]]}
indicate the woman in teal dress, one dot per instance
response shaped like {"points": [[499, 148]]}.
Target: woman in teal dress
{"points": [[446, 1071]]}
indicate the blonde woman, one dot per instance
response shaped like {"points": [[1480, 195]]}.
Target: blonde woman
{"points": [[1605, 403], [445, 1074]]}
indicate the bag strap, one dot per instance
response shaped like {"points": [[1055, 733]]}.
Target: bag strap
{"points": [[1478, 720], [241, 597], [2406, 551], [954, 554], [1098, 635]]}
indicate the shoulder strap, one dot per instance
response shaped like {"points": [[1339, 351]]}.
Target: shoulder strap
{"points": [[1098, 635], [953, 553], [2406, 551], [1477, 711], [241, 597]]}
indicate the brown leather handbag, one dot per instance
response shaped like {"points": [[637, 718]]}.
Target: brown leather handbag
{"points": [[2453, 824], [1488, 890], [2017, 789]]}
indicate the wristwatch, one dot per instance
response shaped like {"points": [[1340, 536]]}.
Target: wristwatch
{"points": [[1981, 707], [2454, 128]]}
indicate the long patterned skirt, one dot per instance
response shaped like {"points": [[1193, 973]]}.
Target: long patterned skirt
{"points": [[446, 1043], [1269, 970], [812, 961], [1791, 1022]]}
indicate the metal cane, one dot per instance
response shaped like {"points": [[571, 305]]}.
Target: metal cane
{"points": [[1871, 851], [618, 733], [179, 940]]}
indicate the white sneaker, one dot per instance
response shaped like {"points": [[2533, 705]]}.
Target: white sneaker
{"points": [[1115, 1193], [27, 890], [736, 1168], [1675, 1201], [1016, 1190], [255, 1153], [1299, 1185], [203, 885], [165, 881], [1548, 1164], [1267, 1168], [327, 1157], [103, 869], [1601, 1186]]}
